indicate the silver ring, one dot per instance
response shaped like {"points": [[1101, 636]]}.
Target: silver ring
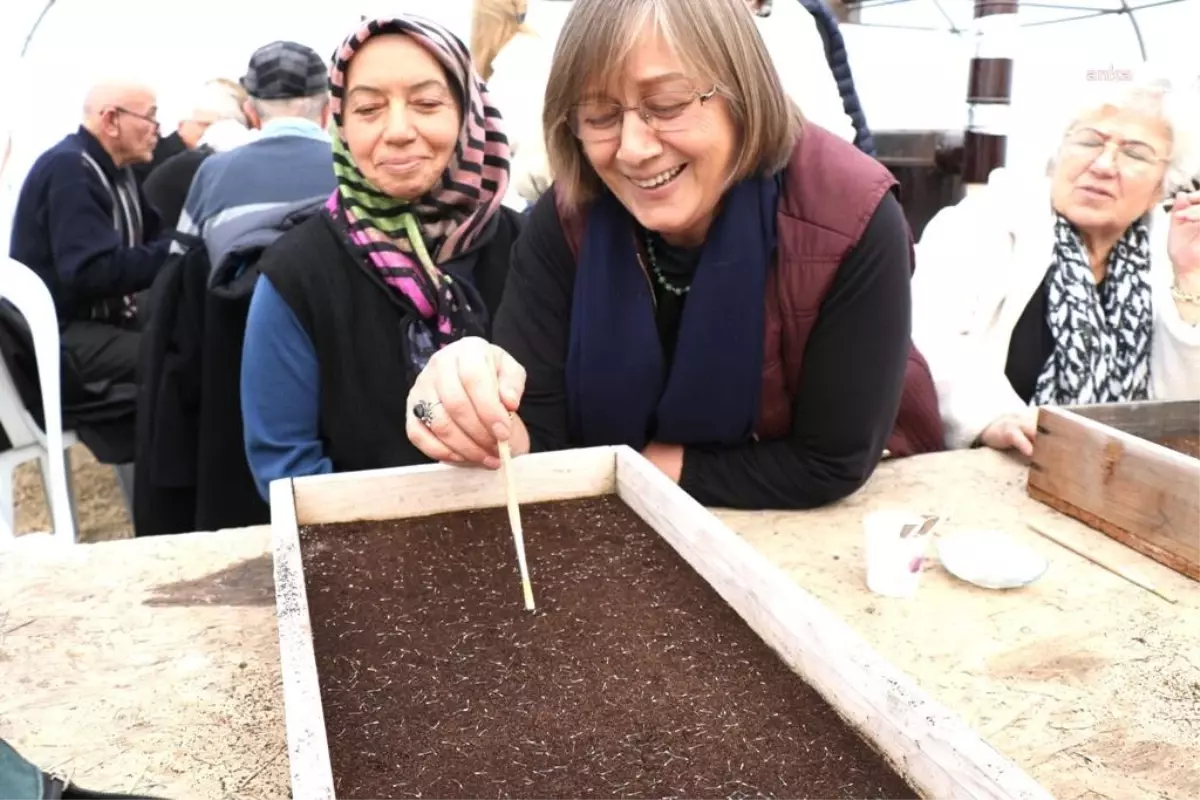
{"points": [[423, 411]]}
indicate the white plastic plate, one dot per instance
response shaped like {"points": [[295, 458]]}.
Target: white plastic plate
{"points": [[990, 559]]}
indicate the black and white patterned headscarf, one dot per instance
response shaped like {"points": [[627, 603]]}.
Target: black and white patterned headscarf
{"points": [[1101, 333]]}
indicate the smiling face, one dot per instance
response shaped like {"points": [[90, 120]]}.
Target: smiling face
{"points": [[400, 116], [670, 179], [1110, 169]]}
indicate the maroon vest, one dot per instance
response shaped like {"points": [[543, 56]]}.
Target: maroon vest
{"points": [[831, 190]]}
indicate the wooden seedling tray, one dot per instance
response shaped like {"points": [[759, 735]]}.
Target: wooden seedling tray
{"points": [[1104, 466], [931, 747]]}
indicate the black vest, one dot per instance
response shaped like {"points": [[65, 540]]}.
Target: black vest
{"points": [[356, 323]]}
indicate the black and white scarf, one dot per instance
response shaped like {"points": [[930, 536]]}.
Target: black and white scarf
{"points": [[1101, 333]]}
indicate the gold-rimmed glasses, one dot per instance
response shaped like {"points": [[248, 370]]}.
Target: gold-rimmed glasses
{"points": [[596, 121]]}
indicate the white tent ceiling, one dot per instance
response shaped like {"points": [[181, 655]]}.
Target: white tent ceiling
{"points": [[909, 57]]}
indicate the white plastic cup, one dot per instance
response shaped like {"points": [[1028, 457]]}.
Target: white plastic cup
{"points": [[894, 564]]}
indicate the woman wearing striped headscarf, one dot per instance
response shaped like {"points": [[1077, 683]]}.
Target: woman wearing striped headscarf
{"points": [[411, 254]]}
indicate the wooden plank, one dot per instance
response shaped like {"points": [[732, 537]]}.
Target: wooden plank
{"points": [[1138, 492], [1153, 420], [308, 748], [930, 746], [437, 489]]}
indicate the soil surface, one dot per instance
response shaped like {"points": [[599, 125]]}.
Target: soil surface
{"points": [[1188, 445], [632, 679]]}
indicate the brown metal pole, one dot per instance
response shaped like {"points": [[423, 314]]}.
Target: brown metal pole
{"points": [[989, 90]]}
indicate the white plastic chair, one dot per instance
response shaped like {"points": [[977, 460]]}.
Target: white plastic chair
{"points": [[23, 288]]}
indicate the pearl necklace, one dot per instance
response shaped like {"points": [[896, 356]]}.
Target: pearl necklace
{"points": [[678, 291]]}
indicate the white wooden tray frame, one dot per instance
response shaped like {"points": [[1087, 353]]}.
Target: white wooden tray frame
{"points": [[930, 746]]}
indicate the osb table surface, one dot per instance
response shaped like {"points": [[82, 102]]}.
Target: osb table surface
{"points": [[152, 665], [146, 665], [1088, 682]]}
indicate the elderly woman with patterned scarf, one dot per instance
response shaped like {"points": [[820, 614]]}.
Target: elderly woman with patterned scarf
{"points": [[1092, 297], [411, 253]]}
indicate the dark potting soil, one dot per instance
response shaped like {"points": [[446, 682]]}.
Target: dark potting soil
{"points": [[1188, 445], [632, 679]]}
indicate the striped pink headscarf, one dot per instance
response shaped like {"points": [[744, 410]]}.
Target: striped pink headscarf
{"points": [[452, 215]]}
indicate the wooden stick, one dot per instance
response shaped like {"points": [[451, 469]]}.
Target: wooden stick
{"points": [[1115, 569], [514, 521], [510, 490]]}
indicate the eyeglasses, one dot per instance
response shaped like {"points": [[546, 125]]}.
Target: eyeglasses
{"points": [[1130, 156], [598, 121], [143, 117]]}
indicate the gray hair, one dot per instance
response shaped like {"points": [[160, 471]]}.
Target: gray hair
{"points": [[309, 108], [1149, 92]]}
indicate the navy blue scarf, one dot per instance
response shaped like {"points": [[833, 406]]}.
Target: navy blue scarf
{"points": [[617, 389]]}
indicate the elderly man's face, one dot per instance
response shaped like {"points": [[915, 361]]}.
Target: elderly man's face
{"points": [[1110, 169], [132, 125]]}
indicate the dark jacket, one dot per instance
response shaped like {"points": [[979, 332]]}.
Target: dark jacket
{"points": [[191, 471], [354, 322], [167, 148], [816, 230], [167, 186], [63, 229]]}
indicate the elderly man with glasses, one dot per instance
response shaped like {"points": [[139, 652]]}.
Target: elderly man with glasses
{"points": [[84, 226]]}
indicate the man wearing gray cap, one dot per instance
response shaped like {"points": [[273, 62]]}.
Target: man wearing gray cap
{"points": [[188, 476], [289, 164]]}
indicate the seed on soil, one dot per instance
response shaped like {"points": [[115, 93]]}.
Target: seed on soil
{"points": [[633, 679]]}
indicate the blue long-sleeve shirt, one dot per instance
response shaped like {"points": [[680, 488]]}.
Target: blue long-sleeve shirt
{"points": [[281, 393]]}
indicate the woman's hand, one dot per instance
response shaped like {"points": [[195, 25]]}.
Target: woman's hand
{"points": [[1012, 432], [1183, 240], [467, 395]]}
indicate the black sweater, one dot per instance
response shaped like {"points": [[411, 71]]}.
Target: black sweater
{"points": [[861, 337]]}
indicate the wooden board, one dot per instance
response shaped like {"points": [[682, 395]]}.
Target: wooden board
{"points": [[1100, 465], [930, 746], [146, 666]]}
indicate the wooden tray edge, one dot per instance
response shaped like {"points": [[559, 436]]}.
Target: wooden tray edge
{"points": [[1114, 532], [304, 716]]}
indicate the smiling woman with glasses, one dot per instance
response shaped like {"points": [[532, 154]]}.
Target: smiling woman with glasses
{"points": [[712, 280], [1073, 290]]}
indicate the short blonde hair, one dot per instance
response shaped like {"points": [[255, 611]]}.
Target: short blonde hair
{"points": [[493, 24], [215, 100], [716, 40], [235, 89]]}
